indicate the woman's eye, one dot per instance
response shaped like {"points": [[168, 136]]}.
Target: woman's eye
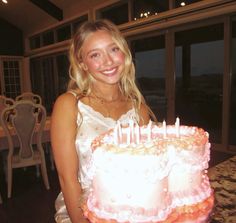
{"points": [[115, 49], [94, 55]]}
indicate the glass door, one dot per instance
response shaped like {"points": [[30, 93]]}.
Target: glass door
{"points": [[49, 77], [199, 78], [149, 58]]}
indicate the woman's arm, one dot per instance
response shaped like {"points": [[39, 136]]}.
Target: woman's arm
{"points": [[144, 115], [63, 133]]}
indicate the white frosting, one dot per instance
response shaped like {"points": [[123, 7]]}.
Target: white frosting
{"points": [[146, 181]]}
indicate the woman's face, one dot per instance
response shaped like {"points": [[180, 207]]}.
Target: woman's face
{"points": [[102, 58]]}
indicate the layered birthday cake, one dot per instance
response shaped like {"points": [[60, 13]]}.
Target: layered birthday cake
{"points": [[150, 174]]}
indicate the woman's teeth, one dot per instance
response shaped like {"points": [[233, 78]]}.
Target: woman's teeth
{"points": [[109, 71]]}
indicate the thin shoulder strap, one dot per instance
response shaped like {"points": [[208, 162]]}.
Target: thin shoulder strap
{"points": [[77, 95], [73, 93]]}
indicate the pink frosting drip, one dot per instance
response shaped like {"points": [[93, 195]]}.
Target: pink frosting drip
{"points": [[124, 213], [173, 200]]}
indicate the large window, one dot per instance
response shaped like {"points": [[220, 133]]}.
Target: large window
{"points": [[48, 38], [63, 33], [144, 8], [149, 59], [57, 34], [11, 77], [199, 78], [78, 22], [49, 77], [35, 42], [117, 13], [62, 66], [181, 57]]}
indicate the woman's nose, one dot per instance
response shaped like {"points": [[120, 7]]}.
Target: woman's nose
{"points": [[108, 60]]}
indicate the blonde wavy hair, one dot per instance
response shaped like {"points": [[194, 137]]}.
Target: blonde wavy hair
{"points": [[79, 78]]}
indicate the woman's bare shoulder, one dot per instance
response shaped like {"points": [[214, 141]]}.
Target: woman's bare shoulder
{"points": [[67, 98], [66, 103]]}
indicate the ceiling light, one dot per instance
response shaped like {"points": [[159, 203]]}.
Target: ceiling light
{"points": [[182, 4], [4, 1]]}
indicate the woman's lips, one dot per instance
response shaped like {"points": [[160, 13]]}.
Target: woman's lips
{"points": [[110, 71]]}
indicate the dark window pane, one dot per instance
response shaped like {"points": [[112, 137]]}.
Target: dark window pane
{"points": [[78, 22], [144, 8], [11, 73], [12, 78], [7, 87], [181, 3], [18, 89], [17, 72], [48, 38], [7, 82], [5, 64], [199, 78], [11, 64], [6, 73], [117, 13], [63, 72], [49, 77], [149, 57], [63, 33], [16, 64], [17, 79], [35, 42]]}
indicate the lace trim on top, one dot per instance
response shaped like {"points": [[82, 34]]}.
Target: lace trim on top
{"points": [[130, 114]]}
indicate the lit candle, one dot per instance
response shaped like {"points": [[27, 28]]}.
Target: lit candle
{"points": [[115, 136], [149, 131], [119, 131], [137, 133], [164, 129], [128, 135], [177, 126], [131, 124]]}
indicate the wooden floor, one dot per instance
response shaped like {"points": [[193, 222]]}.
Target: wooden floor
{"points": [[32, 203]]}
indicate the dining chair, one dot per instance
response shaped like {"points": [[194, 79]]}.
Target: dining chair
{"points": [[5, 102], [38, 100], [25, 124], [29, 96]]}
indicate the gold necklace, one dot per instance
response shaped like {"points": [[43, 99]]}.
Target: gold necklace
{"points": [[105, 101]]}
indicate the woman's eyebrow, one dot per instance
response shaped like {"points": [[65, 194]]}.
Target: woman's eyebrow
{"points": [[97, 49]]}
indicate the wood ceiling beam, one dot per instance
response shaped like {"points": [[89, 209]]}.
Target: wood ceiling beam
{"points": [[49, 8]]}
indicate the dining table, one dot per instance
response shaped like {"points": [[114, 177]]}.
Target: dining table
{"points": [[45, 135], [223, 182]]}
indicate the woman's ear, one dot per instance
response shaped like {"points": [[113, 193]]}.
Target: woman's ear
{"points": [[83, 66]]}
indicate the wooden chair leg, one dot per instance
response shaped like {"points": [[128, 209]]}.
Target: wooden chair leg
{"points": [[0, 199], [37, 171], [45, 174], [9, 180], [48, 150], [51, 160]]}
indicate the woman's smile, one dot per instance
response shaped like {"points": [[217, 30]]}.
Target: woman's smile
{"points": [[103, 59], [110, 72]]}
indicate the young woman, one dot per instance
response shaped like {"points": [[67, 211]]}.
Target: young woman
{"points": [[101, 92]]}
